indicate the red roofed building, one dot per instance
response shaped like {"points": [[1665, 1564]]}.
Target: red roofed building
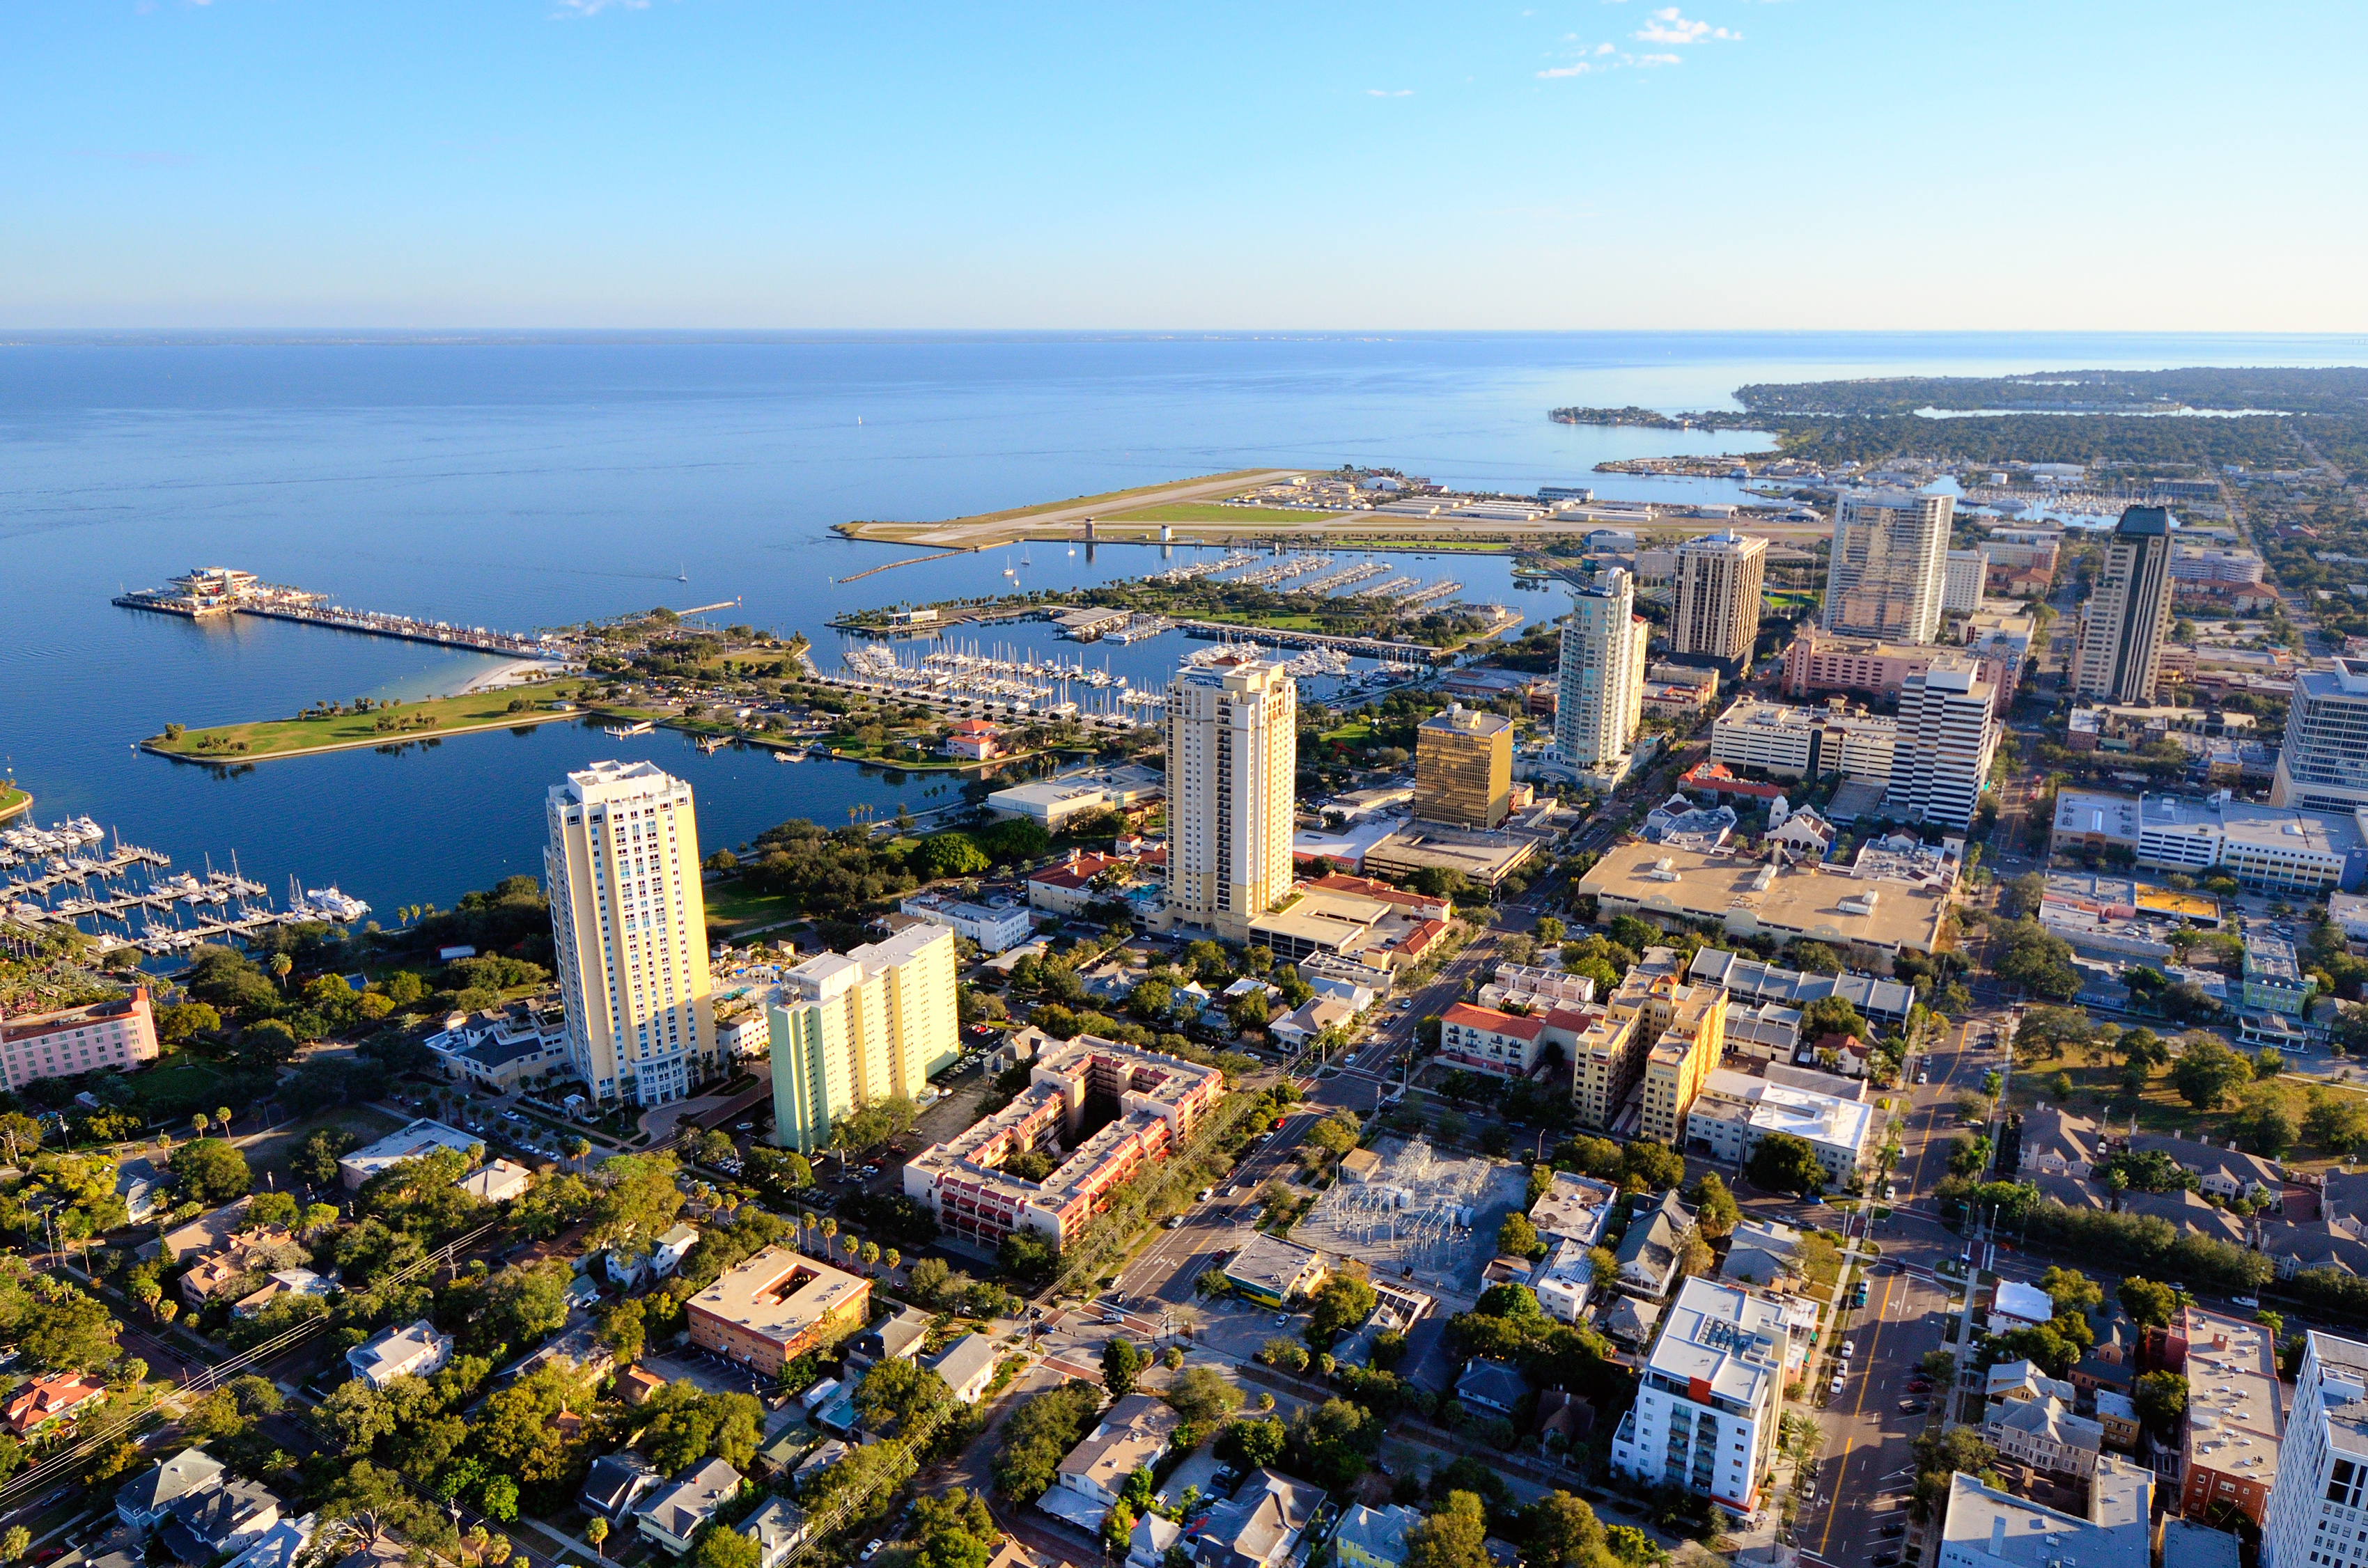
{"points": [[1418, 941], [47, 1400], [1718, 779], [1422, 904], [1067, 886], [1481, 1039], [973, 738]]}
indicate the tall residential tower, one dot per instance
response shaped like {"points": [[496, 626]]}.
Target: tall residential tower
{"points": [[1947, 736], [1889, 565], [1602, 679], [2323, 767], [2125, 622], [630, 925], [850, 1030], [1233, 761], [1719, 578]]}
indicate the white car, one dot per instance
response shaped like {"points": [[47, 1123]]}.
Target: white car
{"points": [[1849, 1348]]}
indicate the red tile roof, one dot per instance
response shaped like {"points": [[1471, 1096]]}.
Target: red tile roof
{"points": [[1493, 1022], [45, 1399], [1418, 940]]}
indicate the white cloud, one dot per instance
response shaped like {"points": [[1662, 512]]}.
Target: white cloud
{"points": [[1668, 26], [594, 7], [1604, 49], [1581, 69], [1660, 60], [1386, 93]]}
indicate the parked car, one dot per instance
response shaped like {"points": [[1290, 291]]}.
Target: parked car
{"points": [[873, 1549]]}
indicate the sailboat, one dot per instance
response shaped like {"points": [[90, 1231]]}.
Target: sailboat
{"points": [[682, 573]]}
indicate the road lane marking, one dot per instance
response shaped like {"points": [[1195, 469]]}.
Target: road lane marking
{"points": [[1841, 1471]]}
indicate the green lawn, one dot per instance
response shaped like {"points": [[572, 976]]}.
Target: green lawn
{"points": [[365, 1122], [1244, 475], [12, 801], [176, 1086], [732, 904], [284, 737]]}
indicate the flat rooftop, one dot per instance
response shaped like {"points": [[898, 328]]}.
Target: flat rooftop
{"points": [[1748, 895], [1784, 1107], [1993, 1526], [1724, 1340], [2234, 1421], [778, 1293], [422, 1137]]}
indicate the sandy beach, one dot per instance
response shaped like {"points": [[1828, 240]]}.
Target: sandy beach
{"points": [[517, 672]]}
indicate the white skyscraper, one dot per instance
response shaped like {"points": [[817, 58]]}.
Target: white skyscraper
{"points": [[1889, 565], [1965, 573], [1233, 761], [2125, 622], [1948, 735], [2323, 767], [630, 925], [850, 1030], [1719, 580], [1602, 677], [2317, 1512]]}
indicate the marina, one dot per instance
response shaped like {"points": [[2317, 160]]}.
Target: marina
{"points": [[123, 887]]}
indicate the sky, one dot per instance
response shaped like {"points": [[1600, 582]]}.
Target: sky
{"points": [[1988, 165]]}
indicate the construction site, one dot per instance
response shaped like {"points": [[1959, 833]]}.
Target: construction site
{"points": [[1423, 1216]]}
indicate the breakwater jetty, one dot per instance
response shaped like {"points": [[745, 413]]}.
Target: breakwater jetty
{"points": [[209, 591]]}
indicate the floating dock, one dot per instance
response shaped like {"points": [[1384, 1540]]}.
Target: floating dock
{"points": [[209, 591]]}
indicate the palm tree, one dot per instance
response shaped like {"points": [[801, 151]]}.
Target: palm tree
{"points": [[871, 1256], [280, 966], [806, 1229], [222, 1119], [200, 1121], [829, 1230], [596, 1532], [891, 1257], [579, 1149], [851, 1244]]}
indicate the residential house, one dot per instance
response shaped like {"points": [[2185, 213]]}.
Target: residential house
{"points": [[414, 1350], [229, 1516], [144, 1500], [1630, 1321], [2011, 1381], [777, 1528], [1313, 1016], [1131, 1434], [1148, 1543], [249, 1252], [1764, 1252], [1655, 1247], [283, 1282], [1576, 1207], [896, 1337], [1564, 1280], [2056, 1143], [2046, 1435], [615, 1483], [1262, 1526], [142, 1187], [281, 1546], [635, 1384], [2014, 1304], [1492, 1385], [45, 1402], [967, 1365], [2117, 1413], [2223, 1172], [677, 1512], [497, 1182], [1068, 887]]}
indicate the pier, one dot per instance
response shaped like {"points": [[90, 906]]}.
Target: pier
{"points": [[221, 590]]}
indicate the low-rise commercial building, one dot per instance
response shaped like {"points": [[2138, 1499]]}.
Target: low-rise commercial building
{"points": [[1160, 1100], [992, 926], [1736, 1111], [2274, 980], [1053, 804], [1986, 1528], [2273, 848], [1883, 1003], [2235, 1424], [423, 1137], [1314, 920], [1273, 1272], [1745, 896], [1485, 858], [774, 1307]]}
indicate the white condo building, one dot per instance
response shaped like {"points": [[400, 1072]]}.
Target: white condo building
{"points": [[1232, 762], [1719, 581], [2317, 1512], [1962, 575], [630, 925], [2323, 767], [1706, 1409], [850, 1030], [1947, 736], [1889, 565], [2125, 622], [1601, 699]]}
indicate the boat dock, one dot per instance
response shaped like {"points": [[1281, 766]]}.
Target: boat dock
{"points": [[219, 590]]}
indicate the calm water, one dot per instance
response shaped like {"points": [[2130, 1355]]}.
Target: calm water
{"points": [[535, 482]]}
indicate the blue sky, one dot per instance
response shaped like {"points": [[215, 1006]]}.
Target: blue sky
{"points": [[1805, 164]]}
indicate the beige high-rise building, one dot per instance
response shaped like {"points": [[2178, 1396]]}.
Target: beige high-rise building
{"points": [[1606, 1061], [1463, 767], [1232, 760], [1889, 569], [2125, 622], [1602, 696], [1686, 1027], [1719, 578], [630, 925], [851, 1030]]}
